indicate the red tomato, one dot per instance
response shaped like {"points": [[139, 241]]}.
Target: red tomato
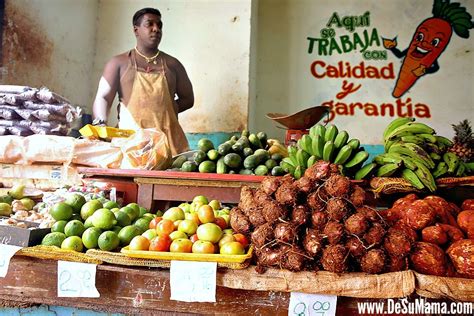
{"points": [[220, 222], [160, 243], [242, 239], [155, 222], [165, 227]]}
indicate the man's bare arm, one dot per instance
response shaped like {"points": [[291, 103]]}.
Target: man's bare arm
{"points": [[106, 91], [184, 89]]}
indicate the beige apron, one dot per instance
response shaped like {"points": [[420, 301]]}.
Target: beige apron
{"points": [[151, 106]]}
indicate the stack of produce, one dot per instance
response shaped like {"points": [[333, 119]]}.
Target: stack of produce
{"points": [[443, 235], [249, 154], [97, 223], [18, 207], [322, 221], [25, 111], [329, 145], [197, 227], [413, 152]]}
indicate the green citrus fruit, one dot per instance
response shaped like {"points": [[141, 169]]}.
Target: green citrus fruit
{"points": [[53, 239], [136, 209], [76, 201], [61, 211], [123, 219], [108, 241], [88, 223], [90, 237], [74, 228], [111, 204], [116, 229], [104, 219], [58, 227], [130, 212], [142, 223], [143, 211], [89, 208], [127, 233], [73, 243]]}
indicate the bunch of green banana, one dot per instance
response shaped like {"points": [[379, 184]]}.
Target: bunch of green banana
{"points": [[415, 153], [329, 144]]}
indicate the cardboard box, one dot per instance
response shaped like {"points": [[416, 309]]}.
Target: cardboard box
{"points": [[23, 237]]}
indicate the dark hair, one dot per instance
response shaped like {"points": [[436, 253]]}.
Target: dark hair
{"points": [[137, 17]]}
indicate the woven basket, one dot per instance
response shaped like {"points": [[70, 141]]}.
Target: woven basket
{"points": [[55, 253], [121, 259]]}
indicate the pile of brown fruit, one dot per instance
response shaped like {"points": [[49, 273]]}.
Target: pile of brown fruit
{"points": [[321, 221]]}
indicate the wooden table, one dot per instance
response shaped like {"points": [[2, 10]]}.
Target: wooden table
{"points": [[159, 186], [140, 291]]}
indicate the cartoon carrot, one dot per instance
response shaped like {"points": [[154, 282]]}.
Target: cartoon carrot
{"points": [[428, 43]]}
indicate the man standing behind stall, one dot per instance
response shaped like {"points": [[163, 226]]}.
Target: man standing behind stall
{"points": [[153, 87]]}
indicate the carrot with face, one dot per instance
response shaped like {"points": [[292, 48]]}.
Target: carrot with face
{"points": [[428, 43]]}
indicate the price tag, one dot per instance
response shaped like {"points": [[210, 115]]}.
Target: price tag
{"points": [[76, 279], [302, 304], [6, 253], [193, 281]]}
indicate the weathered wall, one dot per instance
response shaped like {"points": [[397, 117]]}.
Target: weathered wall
{"points": [[210, 38], [285, 82], [50, 43]]}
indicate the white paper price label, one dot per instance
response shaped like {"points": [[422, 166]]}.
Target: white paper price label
{"points": [[302, 304], [6, 253], [76, 279], [193, 281]]}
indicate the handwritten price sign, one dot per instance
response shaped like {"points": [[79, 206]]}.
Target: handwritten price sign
{"points": [[6, 253], [76, 279], [302, 304], [193, 281]]}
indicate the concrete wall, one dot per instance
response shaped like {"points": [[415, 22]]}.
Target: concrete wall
{"points": [[285, 83], [211, 38], [50, 43]]}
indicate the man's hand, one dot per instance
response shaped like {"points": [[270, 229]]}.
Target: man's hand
{"points": [[419, 71]]}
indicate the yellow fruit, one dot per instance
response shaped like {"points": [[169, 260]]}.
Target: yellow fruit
{"points": [[5, 209], [28, 203], [17, 191]]}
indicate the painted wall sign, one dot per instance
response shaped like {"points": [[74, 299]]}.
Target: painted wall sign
{"points": [[368, 73]]}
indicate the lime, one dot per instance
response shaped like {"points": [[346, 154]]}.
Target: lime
{"points": [[88, 223], [90, 238], [58, 227], [53, 239], [108, 241], [73, 243], [115, 209], [116, 229], [127, 233], [122, 219], [143, 211], [89, 208], [142, 223], [6, 199], [130, 212], [104, 219], [136, 209], [111, 204], [74, 228], [148, 215], [76, 201], [61, 211]]}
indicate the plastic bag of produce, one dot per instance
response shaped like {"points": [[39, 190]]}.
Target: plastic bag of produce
{"points": [[8, 112], [12, 99], [47, 96], [26, 114], [97, 154], [48, 148], [60, 108], [19, 130], [11, 149], [3, 131], [47, 116], [147, 149], [6, 123]]}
